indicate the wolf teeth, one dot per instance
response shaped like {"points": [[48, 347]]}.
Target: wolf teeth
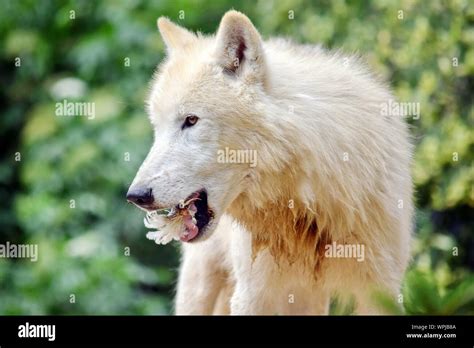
{"points": [[165, 211], [172, 213]]}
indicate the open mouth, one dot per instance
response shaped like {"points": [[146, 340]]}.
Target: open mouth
{"points": [[196, 215], [193, 212]]}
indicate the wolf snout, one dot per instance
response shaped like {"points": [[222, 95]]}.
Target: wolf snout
{"points": [[141, 197]]}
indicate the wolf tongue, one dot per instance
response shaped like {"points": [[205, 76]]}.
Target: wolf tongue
{"points": [[191, 229]]}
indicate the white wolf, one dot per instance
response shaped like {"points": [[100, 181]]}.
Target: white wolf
{"points": [[331, 171]]}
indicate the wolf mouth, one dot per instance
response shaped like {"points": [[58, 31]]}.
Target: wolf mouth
{"points": [[193, 212], [196, 215]]}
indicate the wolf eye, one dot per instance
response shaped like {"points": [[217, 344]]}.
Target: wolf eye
{"points": [[190, 121]]}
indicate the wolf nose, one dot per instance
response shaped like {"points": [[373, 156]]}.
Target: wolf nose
{"points": [[141, 197]]}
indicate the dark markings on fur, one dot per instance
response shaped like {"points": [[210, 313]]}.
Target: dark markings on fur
{"points": [[238, 55]]}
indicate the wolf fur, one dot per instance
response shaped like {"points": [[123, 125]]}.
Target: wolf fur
{"points": [[331, 169]]}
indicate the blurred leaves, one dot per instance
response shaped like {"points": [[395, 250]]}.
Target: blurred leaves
{"points": [[424, 293]]}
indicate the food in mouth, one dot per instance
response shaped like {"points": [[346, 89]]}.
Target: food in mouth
{"points": [[185, 221]]}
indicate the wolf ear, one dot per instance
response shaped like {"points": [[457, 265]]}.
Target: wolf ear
{"points": [[173, 35], [239, 45]]}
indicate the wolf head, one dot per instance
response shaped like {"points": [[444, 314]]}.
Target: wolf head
{"points": [[204, 108]]}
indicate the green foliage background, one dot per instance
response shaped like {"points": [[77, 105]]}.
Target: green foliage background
{"points": [[428, 57]]}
